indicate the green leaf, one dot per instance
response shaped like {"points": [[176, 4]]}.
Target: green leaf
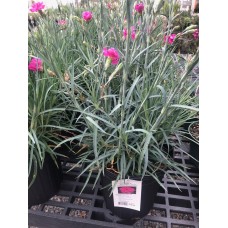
{"points": [[185, 107], [131, 91], [95, 123], [115, 108]]}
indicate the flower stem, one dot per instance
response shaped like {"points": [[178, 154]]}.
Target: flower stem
{"points": [[125, 76]]}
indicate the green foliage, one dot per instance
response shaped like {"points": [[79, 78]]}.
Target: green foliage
{"points": [[166, 8], [128, 111], [184, 20], [46, 118]]}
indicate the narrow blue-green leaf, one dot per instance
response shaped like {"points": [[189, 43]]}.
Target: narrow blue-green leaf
{"points": [[86, 182], [31, 137], [185, 107], [115, 108], [131, 90], [97, 117], [163, 93], [95, 124], [37, 143], [145, 150]]}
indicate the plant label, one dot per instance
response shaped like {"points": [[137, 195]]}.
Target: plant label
{"points": [[127, 193]]}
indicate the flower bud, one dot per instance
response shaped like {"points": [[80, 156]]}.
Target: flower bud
{"points": [[66, 77], [78, 19], [188, 32], [108, 63], [51, 73], [191, 27], [176, 27]]}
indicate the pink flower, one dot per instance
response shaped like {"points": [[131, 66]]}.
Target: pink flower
{"points": [[170, 39], [125, 33], [109, 5], [87, 15], [133, 33], [35, 64], [37, 6], [139, 7], [62, 22], [196, 34], [113, 54]]}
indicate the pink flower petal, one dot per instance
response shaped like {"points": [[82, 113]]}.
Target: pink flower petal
{"points": [[105, 52]]}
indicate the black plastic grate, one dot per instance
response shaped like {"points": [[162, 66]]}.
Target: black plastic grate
{"points": [[172, 208]]}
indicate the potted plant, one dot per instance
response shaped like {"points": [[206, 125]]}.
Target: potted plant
{"points": [[45, 118], [130, 95]]}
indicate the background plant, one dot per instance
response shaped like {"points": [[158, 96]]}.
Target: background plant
{"points": [[46, 117], [186, 44]]}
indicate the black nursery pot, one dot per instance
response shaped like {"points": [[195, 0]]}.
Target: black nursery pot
{"points": [[186, 125], [47, 182], [149, 191], [194, 152], [194, 149]]}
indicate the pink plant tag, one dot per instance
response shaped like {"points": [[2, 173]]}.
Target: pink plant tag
{"points": [[127, 194]]}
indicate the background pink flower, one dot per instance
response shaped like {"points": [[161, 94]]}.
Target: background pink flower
{"points": [[133, 33], [109, 5], [62, 22], [170, 39], [37, 6], [139, 7], [196, 34], [125, 33], [35, 64], [113, 54], [87, 15]]}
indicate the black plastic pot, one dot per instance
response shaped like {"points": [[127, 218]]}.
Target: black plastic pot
{"points": [[186, 125], [47, 182], [194, 151], [150, 188]]}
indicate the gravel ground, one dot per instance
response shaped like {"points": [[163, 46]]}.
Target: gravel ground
{"points": [[175, 177], [181, 216], [81, 201], [53, 209], [157, 212], [151, 224], [181, 226], [35, 207], [58, 198], [78, 213]]}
